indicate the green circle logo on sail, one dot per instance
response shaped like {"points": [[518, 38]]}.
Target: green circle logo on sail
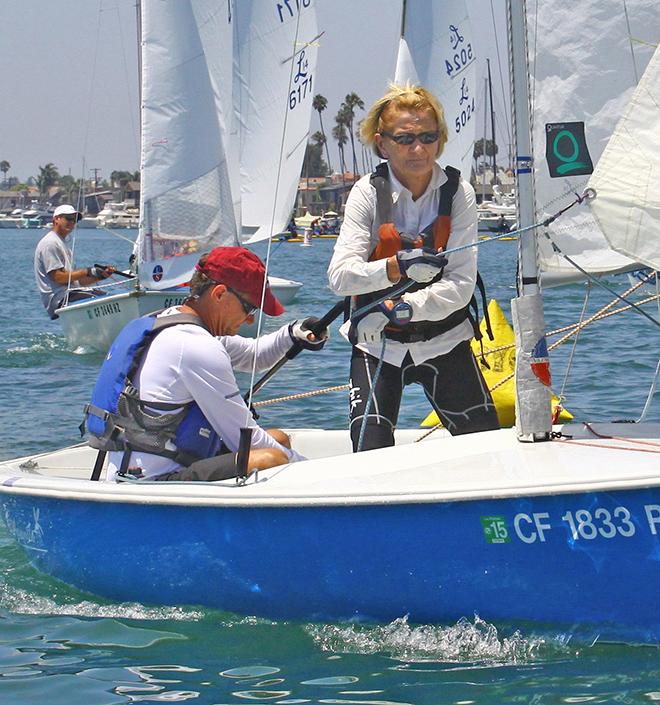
{"points": [[566, 149]]}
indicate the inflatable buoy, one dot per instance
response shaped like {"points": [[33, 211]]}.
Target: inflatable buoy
{"points": [[502, 364]]}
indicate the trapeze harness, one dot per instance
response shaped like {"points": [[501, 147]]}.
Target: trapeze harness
{"points": [[435, 236], [118, 420]]}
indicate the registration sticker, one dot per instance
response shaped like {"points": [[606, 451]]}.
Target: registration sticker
{"points": [[494, 528]]}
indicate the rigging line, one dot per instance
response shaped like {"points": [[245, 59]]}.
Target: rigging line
{"points": [[372, 394], [88, 122], [630, 42], [131, 102], [601, 284], [569, 363], [509, 128], [302, 395], [654, 381], [607, 446], [115, 233], [592, 430], [253, 374], [92, 81], [602, 313], [651, 394]]}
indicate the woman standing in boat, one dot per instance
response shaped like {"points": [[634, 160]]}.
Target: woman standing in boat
{"points": [[396, 222]]}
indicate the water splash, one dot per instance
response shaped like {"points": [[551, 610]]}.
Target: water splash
{"points": [[465, 641], [24, 602]]}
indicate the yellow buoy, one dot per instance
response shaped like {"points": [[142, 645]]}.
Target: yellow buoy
{"points": [[502, 365]]}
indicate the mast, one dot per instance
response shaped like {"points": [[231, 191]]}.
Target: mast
{"points": [[492, 120], [483, 145], [138, 24], [533, 396]]}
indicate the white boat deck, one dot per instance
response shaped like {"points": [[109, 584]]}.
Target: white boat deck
{"points": [[477, 466]]}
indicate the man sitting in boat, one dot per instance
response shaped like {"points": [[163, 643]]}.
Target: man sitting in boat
{"points": [[166, 402], [396, 222], [53, 265]]}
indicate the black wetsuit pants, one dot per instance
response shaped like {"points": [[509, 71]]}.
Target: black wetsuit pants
{"points": [[452, 382]]}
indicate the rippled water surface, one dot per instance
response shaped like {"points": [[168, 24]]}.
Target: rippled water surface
{"points": [[58, 646]]}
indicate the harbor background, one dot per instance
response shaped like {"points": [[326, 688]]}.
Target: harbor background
{"points": [[60, 646]]}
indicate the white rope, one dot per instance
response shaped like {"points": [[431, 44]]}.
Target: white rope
{"points": [[571, 355]]}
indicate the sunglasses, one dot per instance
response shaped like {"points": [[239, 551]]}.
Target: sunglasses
{"points": [[248, 307], [70, 218], [408, 138]]}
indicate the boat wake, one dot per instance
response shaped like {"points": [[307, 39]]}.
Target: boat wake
{"points": [[24, 602], [465, 642], [26, 352]]}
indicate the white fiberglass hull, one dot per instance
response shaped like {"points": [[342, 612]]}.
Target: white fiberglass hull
{"points": [[93, 324], [562, 532]]}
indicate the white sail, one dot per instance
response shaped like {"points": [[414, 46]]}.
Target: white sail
{"points": [[436, 50], [220, 47], [627, 178], [276, 66], [582, 70], [186, 201]]}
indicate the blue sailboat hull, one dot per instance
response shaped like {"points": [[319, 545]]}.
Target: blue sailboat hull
{"points": [[588, 559]]}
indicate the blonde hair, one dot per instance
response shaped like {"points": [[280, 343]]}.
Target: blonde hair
{"points": [[398, 98]]}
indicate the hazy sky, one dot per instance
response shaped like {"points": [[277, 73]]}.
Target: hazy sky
{"points": [[70, 75]]}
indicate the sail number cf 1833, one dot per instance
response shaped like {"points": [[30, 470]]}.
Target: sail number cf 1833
{"points": [[581, 524]]}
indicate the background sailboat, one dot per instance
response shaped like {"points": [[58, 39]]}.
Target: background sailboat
{"points": [[193, 173], [436, 50], [276, 63]]}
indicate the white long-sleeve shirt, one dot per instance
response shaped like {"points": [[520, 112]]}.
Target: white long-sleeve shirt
{"points": [[186, 363], [350, 272]]}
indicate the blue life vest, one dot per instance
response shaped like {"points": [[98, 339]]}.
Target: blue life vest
{"points": [[118, 420]]}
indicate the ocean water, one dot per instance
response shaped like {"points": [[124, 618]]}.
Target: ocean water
{"points": [[59, 646]]}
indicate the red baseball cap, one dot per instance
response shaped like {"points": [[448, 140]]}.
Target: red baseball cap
{"points": [[242, 270]]}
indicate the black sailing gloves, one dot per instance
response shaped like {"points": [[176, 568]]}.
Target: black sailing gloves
{"points": [[299, 331]]}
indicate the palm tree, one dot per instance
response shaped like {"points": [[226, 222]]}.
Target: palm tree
{"points": [[5, 166], [320, 103], [319, 139], [72, 187], [367, 163], [48, 176], [351, 102], [339, 133]]}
